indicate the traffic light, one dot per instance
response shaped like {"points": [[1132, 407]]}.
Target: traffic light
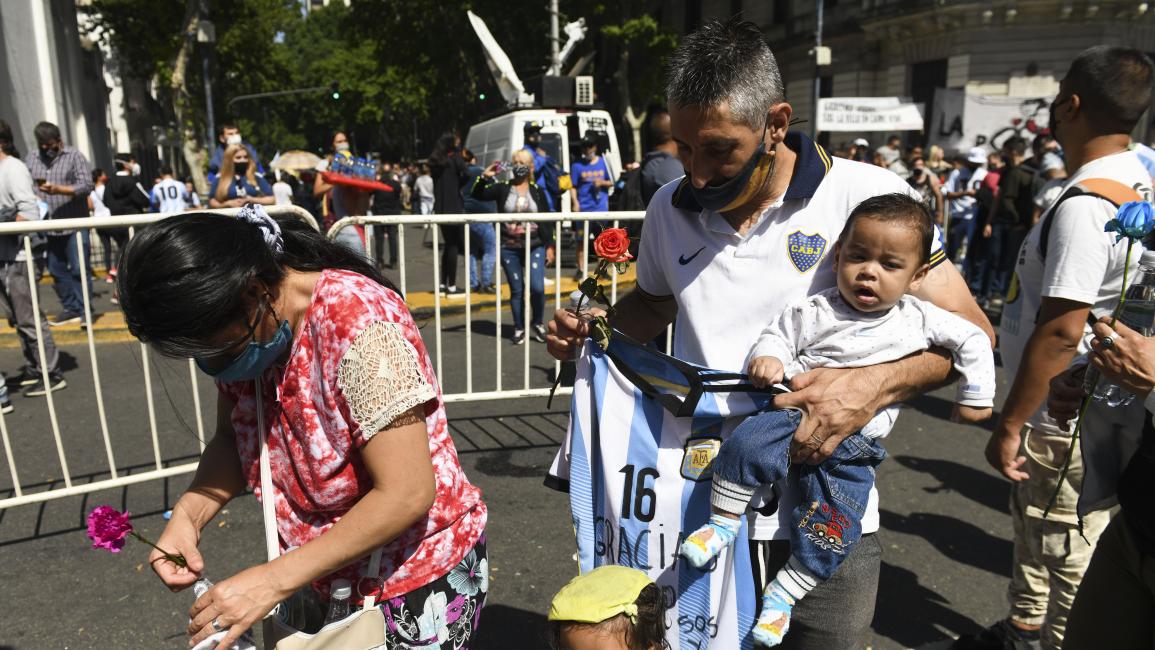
{"points": [[335, 91]]}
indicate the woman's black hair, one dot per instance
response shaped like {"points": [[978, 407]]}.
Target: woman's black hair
{"points": [[445, 144], [184, 279], [648, 633]]}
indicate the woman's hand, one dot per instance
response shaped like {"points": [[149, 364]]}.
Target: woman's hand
{"points": [[180, 537], [491, 171], [549, 255], [1129, 361], [235, 604]]}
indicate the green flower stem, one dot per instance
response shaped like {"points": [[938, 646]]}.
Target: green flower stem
{"points": [[1118, 311], [1070, 455], [175, 559]]}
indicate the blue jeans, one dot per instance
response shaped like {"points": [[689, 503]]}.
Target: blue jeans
{"points": [[513, 264], [483, 252], [827, 523], [64, 265], [960, 230]]}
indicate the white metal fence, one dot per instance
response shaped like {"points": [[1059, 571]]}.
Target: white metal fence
{"points": [[64, 406], [57, 411], [501, 390]]}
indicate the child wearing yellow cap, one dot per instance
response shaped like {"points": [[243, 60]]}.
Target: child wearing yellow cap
{"points": [[609, 608]]}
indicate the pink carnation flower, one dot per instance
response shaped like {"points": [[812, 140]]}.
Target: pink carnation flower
{"points": [[107, 527]]}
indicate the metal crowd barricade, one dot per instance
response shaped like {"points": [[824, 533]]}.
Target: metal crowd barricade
{"points": [[500, 391], [116, 478]]}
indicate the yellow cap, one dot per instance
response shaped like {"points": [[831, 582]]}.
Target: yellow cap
{"points": [[599, 595]]}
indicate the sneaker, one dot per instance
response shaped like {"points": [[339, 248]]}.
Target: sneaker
{"points": [[1000, 636], [518, 337], [453, 292], [27, 377], [539, 333], [66, 318], [6, 407], [55, 382]]}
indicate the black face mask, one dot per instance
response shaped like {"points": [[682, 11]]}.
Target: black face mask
{"points": [[241, 168]]}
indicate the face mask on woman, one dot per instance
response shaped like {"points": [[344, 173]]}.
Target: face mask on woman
{"points": [[241, 167], [341, 147], [520, 171], [255, 359]]}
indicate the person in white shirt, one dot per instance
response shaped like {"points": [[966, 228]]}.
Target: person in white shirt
{"points": [[1067, 269], [169, 195], [725, 249], [867, 319], [959, 191], [1054, 170], [424, 187]]}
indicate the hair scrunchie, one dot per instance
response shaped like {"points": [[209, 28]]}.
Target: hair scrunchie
{"points": [[255, 214]]}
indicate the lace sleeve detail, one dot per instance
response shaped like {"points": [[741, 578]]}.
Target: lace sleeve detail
{"points": [[381, 377]]}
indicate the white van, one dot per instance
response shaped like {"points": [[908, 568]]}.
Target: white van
{"points": [[497, 138]]}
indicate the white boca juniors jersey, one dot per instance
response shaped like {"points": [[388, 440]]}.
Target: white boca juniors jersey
{"points": [[643, 431]]}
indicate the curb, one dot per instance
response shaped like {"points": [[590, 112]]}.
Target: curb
{"points": [[110, 327]]}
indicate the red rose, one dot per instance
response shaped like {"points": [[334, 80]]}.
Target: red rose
{"points": [[613, 245]]}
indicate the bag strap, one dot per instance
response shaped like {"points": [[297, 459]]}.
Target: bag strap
{"points": [[268, 502], [1111, 191]]}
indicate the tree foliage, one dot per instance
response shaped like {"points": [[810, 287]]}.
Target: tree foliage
{"points": [[406, 69]]}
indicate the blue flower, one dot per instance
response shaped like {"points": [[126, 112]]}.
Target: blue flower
{"points": [[1133, 221]]}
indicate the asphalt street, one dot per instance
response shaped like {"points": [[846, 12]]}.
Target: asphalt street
{"points": [[946, 533]]}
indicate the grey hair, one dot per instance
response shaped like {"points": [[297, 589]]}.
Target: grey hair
{"points": [[726, 62]]}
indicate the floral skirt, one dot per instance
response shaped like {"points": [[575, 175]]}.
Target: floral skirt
{"points": [[444, 613]]}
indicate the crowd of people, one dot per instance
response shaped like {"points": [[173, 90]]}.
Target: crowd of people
{"points": [[331, 411]]}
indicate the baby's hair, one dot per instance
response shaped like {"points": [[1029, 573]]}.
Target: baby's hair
{"points": [[648, 633], [898, 208]]}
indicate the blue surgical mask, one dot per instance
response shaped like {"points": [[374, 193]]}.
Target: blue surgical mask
{"points": [[256, 358]]}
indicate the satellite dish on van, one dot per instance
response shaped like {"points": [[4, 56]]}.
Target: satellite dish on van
{"points": [[499, 65]]}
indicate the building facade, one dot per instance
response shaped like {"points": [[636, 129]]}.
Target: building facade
{"points": [[49, 72], [911, 48]]}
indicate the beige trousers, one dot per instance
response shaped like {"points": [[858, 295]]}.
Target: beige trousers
{"points": [[1050, 556]]}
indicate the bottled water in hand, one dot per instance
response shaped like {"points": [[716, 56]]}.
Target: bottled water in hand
{"points": [[1138, 314]]}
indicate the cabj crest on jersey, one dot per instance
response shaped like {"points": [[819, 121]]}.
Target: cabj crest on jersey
{"points": [[644, 429], [805, 250]]}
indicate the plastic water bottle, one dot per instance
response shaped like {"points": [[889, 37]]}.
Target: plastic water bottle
{"points": [[339, 594], [1138, 314]]}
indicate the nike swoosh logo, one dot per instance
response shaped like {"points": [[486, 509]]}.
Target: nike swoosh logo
{"points": [[683, 260]]}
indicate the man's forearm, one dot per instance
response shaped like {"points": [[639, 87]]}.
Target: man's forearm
{"points": [[641, 317], [912, 376], [1045, 357]]}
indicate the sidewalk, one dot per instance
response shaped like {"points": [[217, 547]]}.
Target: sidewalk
{"points": [[109, 326]]}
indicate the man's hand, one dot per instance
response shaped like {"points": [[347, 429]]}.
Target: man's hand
{"points": [[987, 230], [835, 403], [1066, 396], [568, 331], [1002, 451], [970, 414], [51, 188], [765, 371]]}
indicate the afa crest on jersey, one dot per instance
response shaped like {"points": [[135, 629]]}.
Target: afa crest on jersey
{"points": [[805, 250]]}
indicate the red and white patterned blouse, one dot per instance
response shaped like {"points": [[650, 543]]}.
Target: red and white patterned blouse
{"points": [[356, 364]]}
